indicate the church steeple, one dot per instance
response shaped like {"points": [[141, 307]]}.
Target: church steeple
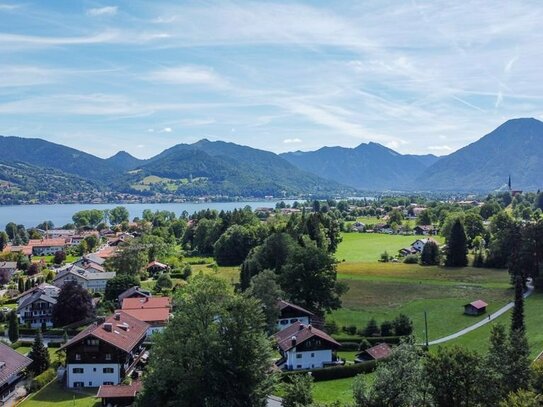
{"points": [[509, 182]]}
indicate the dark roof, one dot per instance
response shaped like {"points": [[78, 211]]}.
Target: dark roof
{"points": [[479, 304], [131, 291], [37, 295], [302, 333], [119, 391], [380, 351], [11, 363], [284, 305], [126, 332]]}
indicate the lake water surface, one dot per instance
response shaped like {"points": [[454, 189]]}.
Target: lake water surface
{"points": [[61, 214]]}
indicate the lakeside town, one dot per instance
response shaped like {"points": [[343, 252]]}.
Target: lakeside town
{"points": [[94, 310]]}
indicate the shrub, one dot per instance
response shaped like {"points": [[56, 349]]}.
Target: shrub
{"points": [[337, 372], [331, 327], [42, 379], [364, 344], [385, 257], [387, 328], [411, 259], [371, 328], [351, 329], [403, 326]]}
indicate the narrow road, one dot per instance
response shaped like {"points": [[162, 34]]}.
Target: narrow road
{"points": [[274, 401], [485, 321]]}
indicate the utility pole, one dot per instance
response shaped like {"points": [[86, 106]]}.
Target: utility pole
{"points": [[426, 327]]}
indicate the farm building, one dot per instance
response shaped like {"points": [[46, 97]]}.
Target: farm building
{"points": [[475, 308], [377, 352]]}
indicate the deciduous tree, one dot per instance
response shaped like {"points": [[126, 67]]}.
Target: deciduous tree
{"points": [[74, 304]]}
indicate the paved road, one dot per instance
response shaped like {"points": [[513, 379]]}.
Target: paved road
{"points": [[485, 321], [274, 401]]}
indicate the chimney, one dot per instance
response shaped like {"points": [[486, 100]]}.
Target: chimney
{"points": [[309, 327], [293, 341], [302, 326], [108, 327], [117, 316]]}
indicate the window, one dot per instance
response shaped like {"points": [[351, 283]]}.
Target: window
{"points": [[93, 342], [78, 370], [108, 383], [298, 356], [90, 384], [94, 369], [312, 355], [284, 322], [298, 366], [108, 356], [107, 370], [293, 320], [77, 356], [78, 384]]}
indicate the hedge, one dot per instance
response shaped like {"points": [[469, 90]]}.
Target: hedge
{"points": [[336, 372], [28, 331], [42, 379], [373, 340], [16, 345], [55, 344]]}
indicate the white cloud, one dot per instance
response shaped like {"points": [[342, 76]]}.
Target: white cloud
{"points": [[187, 75], [102, 11], [440, 148], [12, 40], [9, 7], [166, 130], [292, 141]]}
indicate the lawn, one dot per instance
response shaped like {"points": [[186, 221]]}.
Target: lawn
{"points": [[54, 395], [367, 247], [384, 290]]}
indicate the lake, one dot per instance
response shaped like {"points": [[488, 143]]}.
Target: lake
{"points": [[61, 214]]}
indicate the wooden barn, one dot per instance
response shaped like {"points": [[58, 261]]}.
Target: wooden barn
{"points": [[475, 308]]}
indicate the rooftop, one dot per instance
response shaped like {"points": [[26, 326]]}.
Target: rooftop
{"points": [[146, 303], [301, 333], [11, 363]]}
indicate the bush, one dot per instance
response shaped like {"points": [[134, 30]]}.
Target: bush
{"points": [[337, 372], [385, 257], [28, 331], [54, 345], [403, 326], [371, 328], [351, 329], [364, 344], [42, 379], [331, 327], [411, 259], [387, 328]]}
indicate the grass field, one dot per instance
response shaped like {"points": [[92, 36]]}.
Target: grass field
{"points": [[367, 247], [54, 395]]}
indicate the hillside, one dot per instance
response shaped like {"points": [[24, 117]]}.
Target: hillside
{"points": [[369, 166], [223, 168], [124, 161], [515, 148]]}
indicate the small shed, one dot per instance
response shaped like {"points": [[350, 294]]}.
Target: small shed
{"points": [[475, 308], [377, 352], [119, 395]]}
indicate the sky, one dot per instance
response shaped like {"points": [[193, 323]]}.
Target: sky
{"points": [[417, 76]]}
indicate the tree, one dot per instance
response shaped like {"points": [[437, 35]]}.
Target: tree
{"points": [[164, 282], [403, 326], [92, 242], [359, 392], [425, 217], [234, 245], [88, 218], [11, 230], [298, 391], [21, 285], [129, 260], [264, 287], [455, 376], [33, 269], [309, 279], [119, 284], [399, 382], [4, 240], [522, 398], [371, 328], [517, 318], [519, 374], [118, 215], [457, 249], [60, 257], [497, 361], [74, 304], [430, 255], [214, 352], [39, 355], [13, 327]]}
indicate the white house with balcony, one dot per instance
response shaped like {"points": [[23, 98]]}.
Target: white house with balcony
{"points": [[290, 313], [35, 306]]}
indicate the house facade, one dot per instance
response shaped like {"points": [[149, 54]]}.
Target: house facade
{"points": [[7, 269], [35, 306], [305, 347], [134, 292], [155, 311], [104, 353], [47, 247], [92, 281], [290, 313]]}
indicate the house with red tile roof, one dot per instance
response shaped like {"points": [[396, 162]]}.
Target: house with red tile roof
{"points": [[305, 347], [105, 352], [377, 352], [155, 311], [12, 366], [290, 313], [46, 247], [119, 395]]}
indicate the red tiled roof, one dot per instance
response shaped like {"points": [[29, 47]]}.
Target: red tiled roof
{"points": [[23, 249], [478, 304], [119, 391], [11, 363], [284, 304], [380, 351], [146, 303], [302, 333], [155, 263], [150, 315], [125, 339], [46, 242]]}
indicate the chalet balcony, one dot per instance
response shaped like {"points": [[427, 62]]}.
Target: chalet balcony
{"points": [[91, 349]]}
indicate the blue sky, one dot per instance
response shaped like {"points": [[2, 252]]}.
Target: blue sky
{"points": [[141, 76]]}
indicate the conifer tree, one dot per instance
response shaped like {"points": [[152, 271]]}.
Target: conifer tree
{"points": [[13, 329], [39, 355], [517, 318], [457, 247]]}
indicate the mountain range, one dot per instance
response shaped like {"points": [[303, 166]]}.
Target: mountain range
{"points": [[219, 168]]}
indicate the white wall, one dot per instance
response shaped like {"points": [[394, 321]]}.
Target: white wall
{"points": [[286, 322], [308, 360], [97, 378]]}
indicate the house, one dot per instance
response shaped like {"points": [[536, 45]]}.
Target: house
{"points": [[92, 263], [419, 244], [7, 269], [35, 306], [305, 347], [104, 353], [290, 313], [358, 227], [94, 282], [377, 352], [47, 247], [156, 267], [134, 292], [425, 230], [155, 311], [475, 308], [60, 233], [119, 395], [12, 366]]}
